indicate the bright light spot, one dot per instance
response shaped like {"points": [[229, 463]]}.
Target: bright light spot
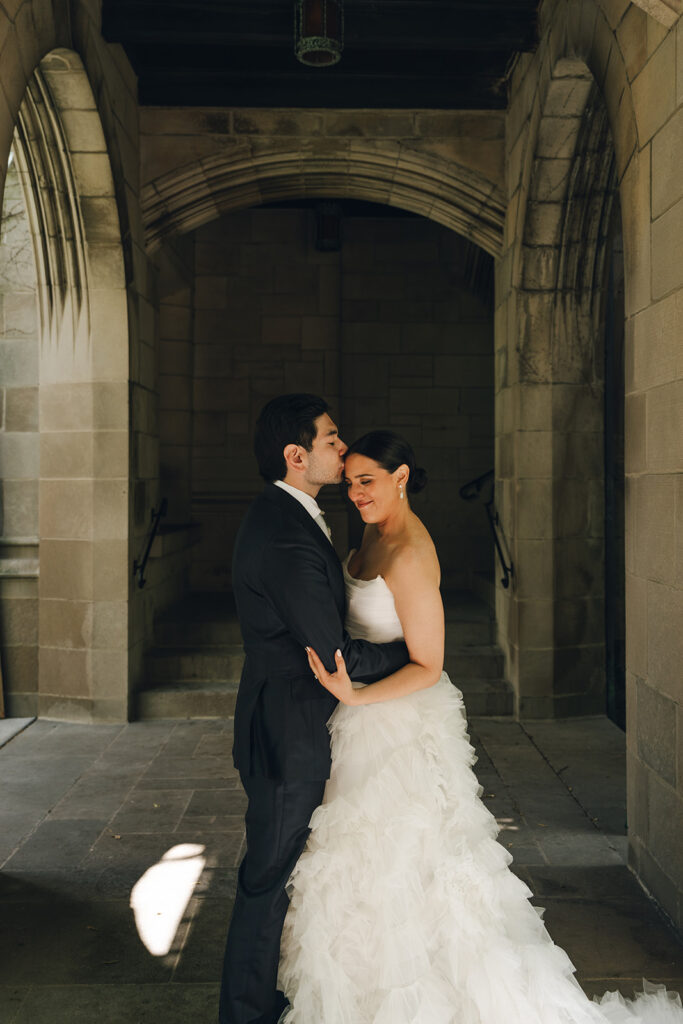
{"points": [[507, 825], [11, 158], [159, 898]]}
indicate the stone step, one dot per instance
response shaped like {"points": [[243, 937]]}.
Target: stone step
{"points": [[223, 662], [469, 634], [186, 700], [194, 669], [484, 588], [220, 663], [201, 699], [212, 620], [475, 662], [211, 633], [486, 697]]}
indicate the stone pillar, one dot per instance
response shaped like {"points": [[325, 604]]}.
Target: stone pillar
{"points": [[83, 405], [19, 451], [550, 403]]}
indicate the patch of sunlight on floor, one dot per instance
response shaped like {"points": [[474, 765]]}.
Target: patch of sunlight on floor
{"points": [[160, 897]]}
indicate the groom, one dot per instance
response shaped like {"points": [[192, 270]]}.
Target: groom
{"points": [[289, 589]]}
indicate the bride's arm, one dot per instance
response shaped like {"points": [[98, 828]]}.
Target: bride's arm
{"points": [[415, 586]]}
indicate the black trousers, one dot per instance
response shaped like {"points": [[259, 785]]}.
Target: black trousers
{"points": [[276, 821]]}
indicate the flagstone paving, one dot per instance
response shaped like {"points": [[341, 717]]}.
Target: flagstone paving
{"points": [[87, 812]]}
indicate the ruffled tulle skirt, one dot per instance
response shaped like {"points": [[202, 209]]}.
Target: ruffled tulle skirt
{"points": [[403, 909]]}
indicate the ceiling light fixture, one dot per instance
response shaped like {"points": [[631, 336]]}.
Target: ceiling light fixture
{"points": [[318, 31]]}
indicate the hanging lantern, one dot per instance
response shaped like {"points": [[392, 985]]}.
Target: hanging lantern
{"points": [[318, 31]]}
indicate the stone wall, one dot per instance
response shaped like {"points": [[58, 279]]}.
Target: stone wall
{"points": [[446, 165], [417, 356], [388, 322], [614, 54], [19, 454]]}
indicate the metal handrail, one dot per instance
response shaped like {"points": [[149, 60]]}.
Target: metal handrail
{"points": [[482, 489], [140, 564]]}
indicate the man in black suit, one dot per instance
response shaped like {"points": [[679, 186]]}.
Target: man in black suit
{"points": [[289, 589]]}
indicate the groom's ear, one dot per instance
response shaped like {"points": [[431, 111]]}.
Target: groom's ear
{"points": [[293, 456]]}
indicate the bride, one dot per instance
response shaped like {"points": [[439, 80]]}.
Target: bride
{"points": [[403, 909]]}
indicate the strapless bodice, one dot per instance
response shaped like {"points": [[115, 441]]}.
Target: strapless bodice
{"points": [[370, 609]]}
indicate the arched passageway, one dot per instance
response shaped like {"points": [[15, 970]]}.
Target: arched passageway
{"points": [[392, 322]]}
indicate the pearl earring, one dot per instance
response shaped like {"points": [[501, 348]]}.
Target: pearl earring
{"points": [[400, 487]]}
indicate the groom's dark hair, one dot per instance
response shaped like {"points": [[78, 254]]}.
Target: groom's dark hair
{"points": [[287, 419]]}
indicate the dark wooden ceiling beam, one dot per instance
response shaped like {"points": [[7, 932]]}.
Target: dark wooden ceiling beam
{"points": [[238, 60], [446, 54], [477, 32], [428, 27]]}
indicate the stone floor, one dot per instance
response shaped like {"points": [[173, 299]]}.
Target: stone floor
{"points": [[86, 812]]}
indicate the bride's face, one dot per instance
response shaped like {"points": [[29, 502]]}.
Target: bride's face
{"points": [[372, 489]]}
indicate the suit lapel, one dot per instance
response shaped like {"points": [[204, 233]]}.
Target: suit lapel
{"points": [[291, 507]]}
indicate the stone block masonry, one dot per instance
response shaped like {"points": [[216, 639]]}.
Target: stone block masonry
{"points": [[387, 330]]}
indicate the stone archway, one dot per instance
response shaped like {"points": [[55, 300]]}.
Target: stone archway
{"points": [[83, 369], [256, 171]]}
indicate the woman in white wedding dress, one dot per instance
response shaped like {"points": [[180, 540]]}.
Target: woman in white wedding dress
{"points": [[403, 909]]}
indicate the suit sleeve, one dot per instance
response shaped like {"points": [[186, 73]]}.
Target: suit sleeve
{"points": [[295, 581]]}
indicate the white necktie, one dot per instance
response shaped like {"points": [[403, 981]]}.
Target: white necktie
{"points": [[320, 520]]}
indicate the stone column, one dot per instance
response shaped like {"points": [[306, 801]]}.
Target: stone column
{"points": [[84, 408]]}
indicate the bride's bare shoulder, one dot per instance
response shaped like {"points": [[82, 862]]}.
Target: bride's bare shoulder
{"points": [[415, 556]]}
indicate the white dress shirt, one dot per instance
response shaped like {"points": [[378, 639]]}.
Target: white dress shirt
{"points": [[309, 503]]}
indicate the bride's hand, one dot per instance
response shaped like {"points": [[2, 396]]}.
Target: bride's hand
{"points": [[338, 683]]}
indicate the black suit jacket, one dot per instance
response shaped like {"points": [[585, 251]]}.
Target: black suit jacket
{"points": [[289, 589]]}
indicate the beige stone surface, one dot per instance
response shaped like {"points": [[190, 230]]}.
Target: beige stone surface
{"points": [[66, 509], [656, 333], [110, 674], [656, 732], [665, 427], [636, 625], [19, 623], [632, 39], [64, 672], [635, 451], [21, 410], [66, 569], [665, 639], [655, 527], [667, 150], [65, 623], [666, 12], [636, 220], [654, 90], [667, 251]]}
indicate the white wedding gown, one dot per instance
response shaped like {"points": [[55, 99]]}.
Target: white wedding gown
{"points": [[403, 908]]}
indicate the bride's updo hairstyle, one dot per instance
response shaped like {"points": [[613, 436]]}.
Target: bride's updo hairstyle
{"points": [[390, 451]]}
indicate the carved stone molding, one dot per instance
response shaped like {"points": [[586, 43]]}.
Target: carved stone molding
{"points": [[385, 172]]}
